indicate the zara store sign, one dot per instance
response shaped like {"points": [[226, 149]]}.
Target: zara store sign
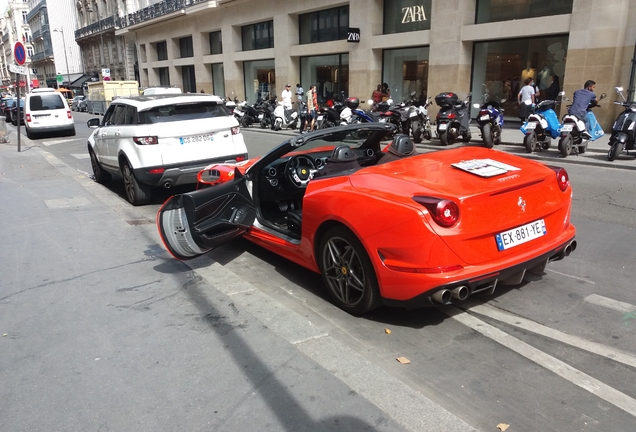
{"points": [[413, 14], [353, 35]]}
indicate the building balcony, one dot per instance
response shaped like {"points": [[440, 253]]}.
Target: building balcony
{"points": [[95, 28], [42, 55], [36, 10], [155, 11]]}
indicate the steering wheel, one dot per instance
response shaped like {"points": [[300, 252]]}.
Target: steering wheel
{"points": [[300, 169]]}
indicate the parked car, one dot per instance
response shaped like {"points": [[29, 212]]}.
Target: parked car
{"points": [[5, 108], [75, 104], [82, 105], [14, 112], [393, 228], [162, 140], [47, 111]]}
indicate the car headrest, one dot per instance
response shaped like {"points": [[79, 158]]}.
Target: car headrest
{"points": [[402, 145], [342, 153]]}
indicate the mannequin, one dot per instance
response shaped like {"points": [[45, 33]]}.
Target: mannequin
{"points": [[528, 72]]}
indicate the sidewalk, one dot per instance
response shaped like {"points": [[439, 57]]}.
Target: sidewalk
{"points": [[104, 330]]}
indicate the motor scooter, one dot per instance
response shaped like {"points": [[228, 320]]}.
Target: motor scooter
{"points": [[542, 125], [623, 130], [453, 118], [420, 122], [285, 118], [490, 121], [246, 114], [574, 133]]}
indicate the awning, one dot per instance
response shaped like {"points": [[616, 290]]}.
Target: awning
{"points": [[79, 83]]}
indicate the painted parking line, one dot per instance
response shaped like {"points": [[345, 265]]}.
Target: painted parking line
{"points": [[80, 155], [558, 367], [53, 142], [610, 303]]}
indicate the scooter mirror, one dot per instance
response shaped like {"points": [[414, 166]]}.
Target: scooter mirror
{"points": [[412, 93], [370, 101], [503, 100], [475, 105], [389, 101], [618, 89], [561, 93], [603, 96]]}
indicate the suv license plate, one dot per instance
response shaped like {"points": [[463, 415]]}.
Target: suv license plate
{"points": [[196, 138], [520, 235]]}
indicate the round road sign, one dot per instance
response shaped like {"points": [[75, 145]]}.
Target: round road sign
{"points": [[19, 53]]}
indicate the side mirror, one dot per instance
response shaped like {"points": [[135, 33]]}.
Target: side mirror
{"points": [[370, 101], [93, 123], [561, 93], [211, 176], [603, 96], [475, 105], [618, 89], [390, 101], [503, 100]]}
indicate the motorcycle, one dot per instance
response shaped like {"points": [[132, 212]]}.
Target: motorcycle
{"points": [[246, 114], [623, 135], [574, 133], [330, 116], [490, 121], [285, 118], [542, 126], [420, 123], [453, 118], [265, 113]]}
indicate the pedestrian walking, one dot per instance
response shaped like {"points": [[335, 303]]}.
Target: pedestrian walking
{"points": [[525, 97], [299, 93], [386, 92], [377, 94], [286, 97], [311, 108]]}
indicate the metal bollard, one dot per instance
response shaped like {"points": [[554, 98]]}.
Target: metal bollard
{"points": [[4, 136]]}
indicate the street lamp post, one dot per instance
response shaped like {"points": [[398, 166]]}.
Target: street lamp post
{"points": [[68, 72]]}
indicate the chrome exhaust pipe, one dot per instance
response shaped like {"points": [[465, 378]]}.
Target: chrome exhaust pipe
{"points": [[167, 185], [460, 293], [442, 296], [569, 248]]}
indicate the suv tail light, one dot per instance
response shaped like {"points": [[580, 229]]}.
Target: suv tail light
{"points": [[28, 117], [147, 140], [444, 212], [68, 114], [563, 180], [236, 130]]}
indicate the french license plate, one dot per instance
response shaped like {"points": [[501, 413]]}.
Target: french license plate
{"points": [[442, 126], [413, 114], [484, 117], [319, 118], [382, 120], [520, 235], [531, 126], [260, 116], [196, 138], [42, 115], [567, 128]]}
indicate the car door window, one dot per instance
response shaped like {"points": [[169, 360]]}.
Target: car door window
{"points": [[120, 115], [131, 115], [108, 117]]}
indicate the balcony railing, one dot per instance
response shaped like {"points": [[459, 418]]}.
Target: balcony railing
{"points": [[36, 9], [155, 11], [95, 28], [48, 52]]}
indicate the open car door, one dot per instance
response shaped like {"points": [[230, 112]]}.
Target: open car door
{"points": [[194, 223]]}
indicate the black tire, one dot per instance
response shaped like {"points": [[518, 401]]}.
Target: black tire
{"points": [[348, 272], [486, 134], [417, 135], [137, 193], [615, 149], [101, 176], [565, 145], [427, 133], [263, 124], [546, 144], [530, 142], [71, 132], [467, 137], [582, 149], [29, 134], [443, 138]]}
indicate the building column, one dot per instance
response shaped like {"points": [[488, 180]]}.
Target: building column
{"points": [[365, 64]]}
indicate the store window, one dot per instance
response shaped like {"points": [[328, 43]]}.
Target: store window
{"points": [[504, 10], [258, 36], [325, 25], [330, 75], [216, 45], [164, 76], [162, 51], [500, 67], [185, 47], [188, 78], [260, 80], [406, 72], [218, 79], [406, 15]]}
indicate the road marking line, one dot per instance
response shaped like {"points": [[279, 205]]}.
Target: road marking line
{"points": [[80, 155], [49, 143], [572, 276], [575, 341], [610, 303], [562, 369]]}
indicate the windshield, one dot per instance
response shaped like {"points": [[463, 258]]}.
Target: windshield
{"points": [[46, 102], [180, 112], [353, 138]]}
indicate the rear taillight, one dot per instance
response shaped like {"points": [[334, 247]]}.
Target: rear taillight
{"points": [[28, 117], [451, 115], [236, 130], [239, 158], [444, 212], [147, 140], [68, 114], [483, 112], [563, 180], [157, 171]]}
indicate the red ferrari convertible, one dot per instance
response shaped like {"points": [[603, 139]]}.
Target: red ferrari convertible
{"points": [[382, 227]]}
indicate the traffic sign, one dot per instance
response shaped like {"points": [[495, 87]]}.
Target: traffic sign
{"points": [[22, 70], [19, 53]]}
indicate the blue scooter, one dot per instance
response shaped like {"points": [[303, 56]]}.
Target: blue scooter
{"points": [[490, 121], [542, 126]]}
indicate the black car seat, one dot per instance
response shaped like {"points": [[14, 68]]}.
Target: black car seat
{"points": [[402, 146], [342, 161]]}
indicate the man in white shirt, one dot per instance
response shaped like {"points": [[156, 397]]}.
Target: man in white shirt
{"points": [[299, 93], [286, 97]]}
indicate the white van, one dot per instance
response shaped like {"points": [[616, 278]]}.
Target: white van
{"points": [[46, 110]]}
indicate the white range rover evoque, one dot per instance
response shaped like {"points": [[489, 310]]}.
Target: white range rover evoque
{"points": [[162, 140]]}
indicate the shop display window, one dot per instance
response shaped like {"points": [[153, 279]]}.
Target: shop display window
{"points": [[406, 15], [260, 80], [406, 71], [330, 75], [505, 10], [500, 68]]}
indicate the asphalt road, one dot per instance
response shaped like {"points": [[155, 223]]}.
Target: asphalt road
{"points": [[555, 354]]}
